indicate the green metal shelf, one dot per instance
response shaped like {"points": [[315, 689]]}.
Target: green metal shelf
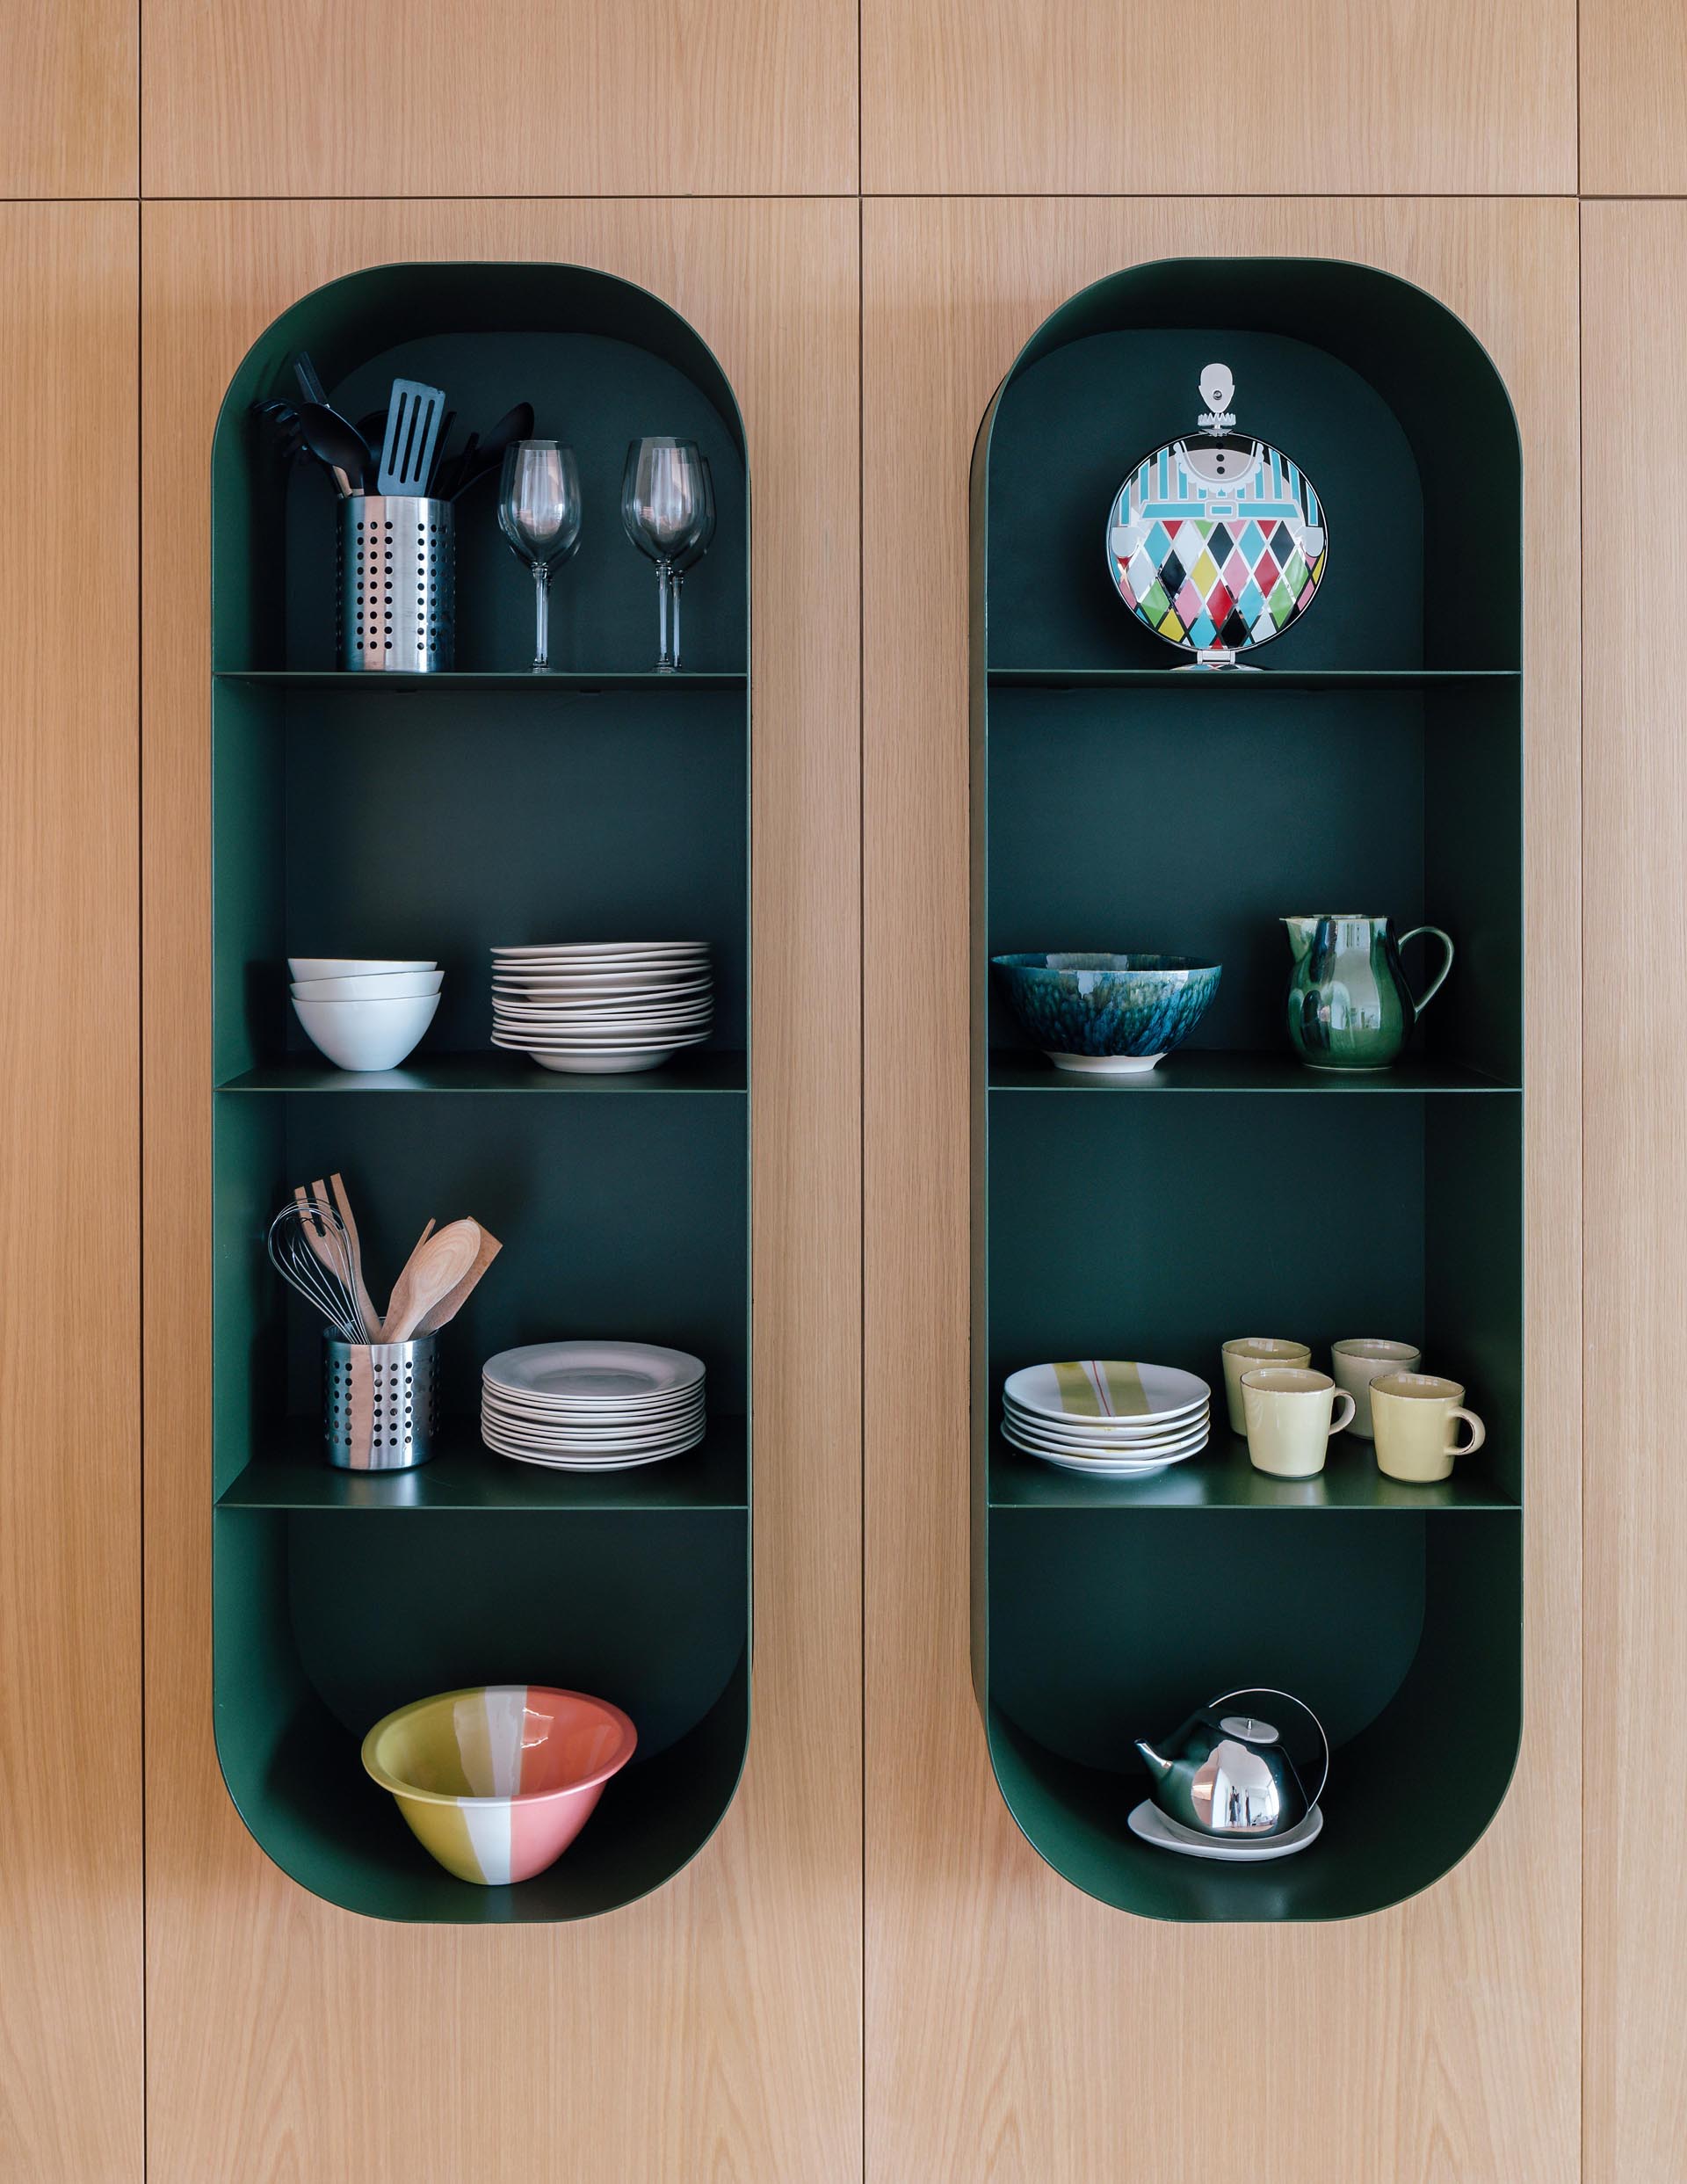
{"points": [[1209, 1070], [1144, 805], [707, 1071], [588, 803], [1264, 678], [573, 682], [465, 1475], [1221, 1478]]}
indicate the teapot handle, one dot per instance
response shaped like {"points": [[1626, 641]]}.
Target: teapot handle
{"points": [[1439, 979], [1269, 1691]]}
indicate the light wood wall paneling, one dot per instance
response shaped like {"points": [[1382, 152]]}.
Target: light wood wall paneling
{"points": [[713, 2029], [1633, 98], [70, 1871], [1304, 97], [70, 99], [478, 98], [1017, 2031], [1634, 297]]}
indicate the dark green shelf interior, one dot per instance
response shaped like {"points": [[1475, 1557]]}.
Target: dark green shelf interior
{"points": [[464, 1474], [485, 806], [1374, 763]]}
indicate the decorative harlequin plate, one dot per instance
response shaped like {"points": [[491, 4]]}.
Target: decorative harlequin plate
{"points": [[1217, 541]]}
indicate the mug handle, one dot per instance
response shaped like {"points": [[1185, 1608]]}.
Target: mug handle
{"points": [[1343, 1395], [1478, 1433], [1439, 980]]}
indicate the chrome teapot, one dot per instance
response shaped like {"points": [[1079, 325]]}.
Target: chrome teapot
{"points": [[1227, 1773]]}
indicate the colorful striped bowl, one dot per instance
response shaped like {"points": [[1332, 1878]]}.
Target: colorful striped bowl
{"points": [[497, 1782]]}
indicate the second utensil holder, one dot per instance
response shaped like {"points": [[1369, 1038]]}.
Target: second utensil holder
{"points": [[380, 1403], [397, 584]]}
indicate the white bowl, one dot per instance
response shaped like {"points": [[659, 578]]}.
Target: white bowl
{"points": [[392, 985], [349, 966], [366, 1034]]}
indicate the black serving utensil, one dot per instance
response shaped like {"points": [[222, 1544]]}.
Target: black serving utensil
{"points": [[339, 447], [517, 424], [309, 385]]}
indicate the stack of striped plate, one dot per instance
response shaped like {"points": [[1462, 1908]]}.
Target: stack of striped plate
{"points": [[1110, 1417], [602, 1006], [591, 1406]]}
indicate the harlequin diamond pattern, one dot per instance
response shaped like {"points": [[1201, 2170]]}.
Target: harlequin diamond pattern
{"points": [[1206, 585]]}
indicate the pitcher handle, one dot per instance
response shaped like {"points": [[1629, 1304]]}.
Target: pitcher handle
{"points": [[1440, 977]]}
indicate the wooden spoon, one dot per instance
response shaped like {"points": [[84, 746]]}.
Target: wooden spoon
{"points": [[342, 1206], [434, 1271], [449, 1305]]}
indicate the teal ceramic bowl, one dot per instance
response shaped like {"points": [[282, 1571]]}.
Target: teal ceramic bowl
{"points": [[1108, 1015]]}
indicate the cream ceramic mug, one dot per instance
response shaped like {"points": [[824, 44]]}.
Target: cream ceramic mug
{"points": [[1242, 1355], [1290, 1419], [1415, 1416], [1359, 1361]]}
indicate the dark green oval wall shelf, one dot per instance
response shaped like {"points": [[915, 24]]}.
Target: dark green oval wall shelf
{"points": [[377, 814], [1375, 763]]}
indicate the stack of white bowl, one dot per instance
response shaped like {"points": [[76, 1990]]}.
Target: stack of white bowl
{"points": [[596, 1007], [364, 1012], [591, 1406], [1109, 1417]]}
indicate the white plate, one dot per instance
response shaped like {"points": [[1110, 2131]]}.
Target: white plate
{"points": [[587, 954], [530, 1038], [1089, 1434], [610, 1450], [601, 1020], [1126, 1394], [649, 997], [613, 1430], [1153, 1826], [350, 966], [570, 1410], [603, 1065], [644, 978], [596, 1371], [1103, 1467], [576, 1464]]}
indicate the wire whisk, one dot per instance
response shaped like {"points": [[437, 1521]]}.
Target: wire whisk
{"points": [[309, 1249]]}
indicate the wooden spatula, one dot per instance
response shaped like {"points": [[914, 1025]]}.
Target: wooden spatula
{"points": [[449, 1305], [343, 1206], [434, 1271]]}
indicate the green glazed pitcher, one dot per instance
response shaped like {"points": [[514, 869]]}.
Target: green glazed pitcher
{"points": [[1349, 1006]]}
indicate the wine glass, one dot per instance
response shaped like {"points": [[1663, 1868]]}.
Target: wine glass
{"points": [[689, 555], [663, 493], [538, 514]]}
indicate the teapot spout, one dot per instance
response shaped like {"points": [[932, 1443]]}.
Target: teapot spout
{"points": [[1157, 1766], [1301, 932]]}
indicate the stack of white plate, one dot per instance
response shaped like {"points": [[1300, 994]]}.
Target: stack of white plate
{"points": [[591, 1406], [600, 1005], [1108, 1417]]}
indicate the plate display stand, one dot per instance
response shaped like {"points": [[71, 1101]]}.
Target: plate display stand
{"points": [[434, 817], [1372, 764]]}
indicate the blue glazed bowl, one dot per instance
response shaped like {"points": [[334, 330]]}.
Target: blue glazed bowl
{"points": [[1108, 1015]]}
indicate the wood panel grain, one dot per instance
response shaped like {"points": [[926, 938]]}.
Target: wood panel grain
{"points": [[70, 99], [476, 98], [1633, 98], [1303, 98], [70, 1888], [1634, 288], [712, 2030], [1018, 2032]]}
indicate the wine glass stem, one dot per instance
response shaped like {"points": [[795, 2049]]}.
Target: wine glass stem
{"points": [[542, 618], [665, 591], [676, 584]]}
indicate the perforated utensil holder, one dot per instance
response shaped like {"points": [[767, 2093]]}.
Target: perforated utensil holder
{"points": [[397, 584], [379, 1402]]}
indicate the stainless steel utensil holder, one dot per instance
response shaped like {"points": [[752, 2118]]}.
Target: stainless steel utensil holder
{"points": [[397, 584], [379, 1402]]}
